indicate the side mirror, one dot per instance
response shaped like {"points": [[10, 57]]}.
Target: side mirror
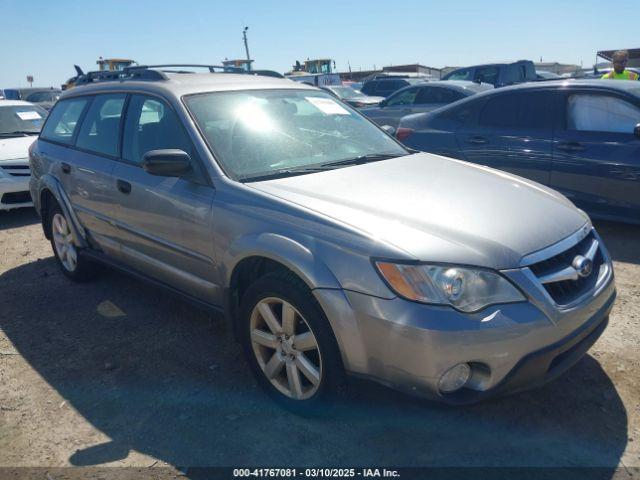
{"points": [[383, 103], [166, 163], [389, 129], [636, 130]]}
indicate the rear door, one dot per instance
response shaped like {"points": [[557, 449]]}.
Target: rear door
{"points": [[165, 222], [597, 156], [513, 131], [81, 140]]}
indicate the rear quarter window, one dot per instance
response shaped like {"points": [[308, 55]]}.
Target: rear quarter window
{"points": [[62, 122]]}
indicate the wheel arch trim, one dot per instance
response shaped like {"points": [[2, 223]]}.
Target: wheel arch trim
{"points": [[48, 183]]}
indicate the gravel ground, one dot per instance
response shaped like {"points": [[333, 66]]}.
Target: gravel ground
{"points": [[118, 373]]}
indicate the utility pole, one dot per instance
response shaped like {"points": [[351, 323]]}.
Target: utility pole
{"points": [[246, 46]]}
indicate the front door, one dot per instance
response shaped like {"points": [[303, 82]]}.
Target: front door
{"points": [[164, 222], [395, 107], [597, 156]]}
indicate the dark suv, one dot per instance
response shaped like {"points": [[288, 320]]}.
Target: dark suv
{"points": [[497, 74], [385, 86]]}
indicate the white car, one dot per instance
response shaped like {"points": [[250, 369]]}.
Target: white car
{"points": [[20, 124]]}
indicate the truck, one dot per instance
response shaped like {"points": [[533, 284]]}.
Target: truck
{"points": [[317, 72]]}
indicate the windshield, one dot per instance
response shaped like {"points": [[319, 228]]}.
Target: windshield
{"points": [[18, 120], [261, 132], [345, 92]]}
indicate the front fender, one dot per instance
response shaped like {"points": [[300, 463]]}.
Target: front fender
{"points": [[51, 184], [291, 253]]}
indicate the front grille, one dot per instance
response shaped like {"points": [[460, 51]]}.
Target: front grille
{"points": [[17, 170], [15, 198], [553, 272]]}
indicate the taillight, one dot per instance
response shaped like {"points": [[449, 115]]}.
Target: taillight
{"points": [[403, 133]]}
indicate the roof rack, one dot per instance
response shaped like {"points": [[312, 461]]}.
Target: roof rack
{"points": [[125, 74], [158, 72]]}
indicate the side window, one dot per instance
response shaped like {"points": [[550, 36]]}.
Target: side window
{"points": [[100, 130], [601, 113], [387, 87], [151, 125], [428, 95], [406, 97], [63, 120], [487, 75], [518, 110], [464, 74]]}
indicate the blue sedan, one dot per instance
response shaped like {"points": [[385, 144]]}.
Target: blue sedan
{"points": [[579, 137]]}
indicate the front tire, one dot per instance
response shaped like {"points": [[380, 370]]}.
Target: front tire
{"points": [[73, 265], [290, 345]]}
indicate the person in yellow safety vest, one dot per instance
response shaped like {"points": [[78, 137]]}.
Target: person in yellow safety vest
{"points": [[619, 72]]}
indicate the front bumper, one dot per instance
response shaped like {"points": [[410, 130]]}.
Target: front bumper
{"points": [[408, 346], [14, 193]]}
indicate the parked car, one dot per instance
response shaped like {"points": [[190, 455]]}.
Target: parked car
{"points": [[545, 75], [385, 86], [328, 245], [20, 93], [353, 97], [20, 123], [580, 137], [497, 74], [44, 99], [421, 98]]}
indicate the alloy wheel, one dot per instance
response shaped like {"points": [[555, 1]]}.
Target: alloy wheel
{"points": [[286, 349], [63, 241]]}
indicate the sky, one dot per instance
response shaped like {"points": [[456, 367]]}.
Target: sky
{"points": [[45, 38]]}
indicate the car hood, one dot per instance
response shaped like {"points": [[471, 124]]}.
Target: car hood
{"points": [[438, 209], [13, 148]]}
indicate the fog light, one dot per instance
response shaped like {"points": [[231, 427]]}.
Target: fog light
{"points": [[454, 378]]}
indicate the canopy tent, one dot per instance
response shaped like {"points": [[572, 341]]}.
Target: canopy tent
{"points": [[634, 55]]}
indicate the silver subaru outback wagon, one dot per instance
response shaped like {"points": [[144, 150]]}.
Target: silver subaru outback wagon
{"points": [[331, 248]]}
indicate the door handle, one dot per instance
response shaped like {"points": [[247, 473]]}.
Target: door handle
{"points": [[570, 147], [477, 139], [66, 168], [124, 187]]}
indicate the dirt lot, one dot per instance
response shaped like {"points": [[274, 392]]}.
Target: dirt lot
{"points": [[116, 372]]}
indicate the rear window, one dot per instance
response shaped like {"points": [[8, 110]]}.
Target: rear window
{"points": [[63, 120], [514, 73]]}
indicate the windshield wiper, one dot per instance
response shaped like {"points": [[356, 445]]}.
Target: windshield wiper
{"points": [[361, 159], [285, 172], [17, 133]]}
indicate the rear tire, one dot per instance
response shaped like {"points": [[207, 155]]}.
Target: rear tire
{"points": [[71, 262], [290, 345]]}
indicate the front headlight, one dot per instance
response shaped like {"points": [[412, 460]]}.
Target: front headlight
{"points": [[466, 289]]}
